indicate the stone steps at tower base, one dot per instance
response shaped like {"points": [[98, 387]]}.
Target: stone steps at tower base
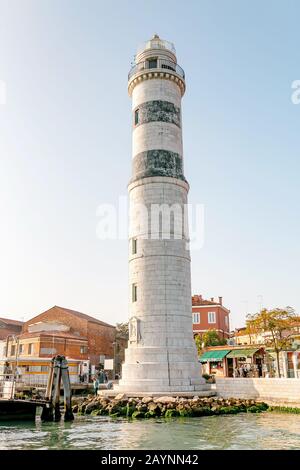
{"points": [[189, 394], [161, 387]]}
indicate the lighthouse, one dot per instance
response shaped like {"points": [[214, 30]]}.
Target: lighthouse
{"points": [[161, 356]]}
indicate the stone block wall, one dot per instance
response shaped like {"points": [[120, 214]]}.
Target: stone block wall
{"points": [[277, 392]]}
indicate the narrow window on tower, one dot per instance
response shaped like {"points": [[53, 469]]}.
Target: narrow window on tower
{"points": [[134, 246], [152, 63], [134, 292], [136, 117]]}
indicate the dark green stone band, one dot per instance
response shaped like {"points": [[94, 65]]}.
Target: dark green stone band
{"points": [[157, 110], [157, 163]]}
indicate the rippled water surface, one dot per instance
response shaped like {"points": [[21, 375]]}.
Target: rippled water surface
{"points": [[243, 431]]}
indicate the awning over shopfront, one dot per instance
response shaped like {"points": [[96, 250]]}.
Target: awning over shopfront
{"points": [[242, 352], [214, 356]]}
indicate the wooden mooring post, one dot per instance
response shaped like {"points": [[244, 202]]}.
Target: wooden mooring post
{"points": [[59, 373]]}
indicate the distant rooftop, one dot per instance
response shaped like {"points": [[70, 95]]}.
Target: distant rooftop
{"points": [[197, 300], [74, 312], [86, 317], [8, 321], [9, 327]]}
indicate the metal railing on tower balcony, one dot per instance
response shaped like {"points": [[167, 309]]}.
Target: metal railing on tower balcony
{"points": [[155, 65]]}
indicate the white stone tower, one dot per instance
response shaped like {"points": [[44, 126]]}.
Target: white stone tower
{"points": [[161, 355]]}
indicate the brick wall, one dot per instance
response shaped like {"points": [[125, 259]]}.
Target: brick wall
{"points": [[100, 337], [281, 392], [100, 340], [76, 324], [63, 346]]}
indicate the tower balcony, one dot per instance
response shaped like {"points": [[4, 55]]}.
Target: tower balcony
{"points": [[156, 65], [156, 68]]}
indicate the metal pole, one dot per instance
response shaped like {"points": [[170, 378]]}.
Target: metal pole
{"points": [[114, 364]]}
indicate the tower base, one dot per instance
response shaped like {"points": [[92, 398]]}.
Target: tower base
{"points": [[200, 393], [161, 370]]}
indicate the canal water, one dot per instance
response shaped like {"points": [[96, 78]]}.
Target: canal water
{"points": [[242, 431]]}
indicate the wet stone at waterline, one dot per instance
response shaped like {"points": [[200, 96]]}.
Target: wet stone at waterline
{"points": [[168, 407]]}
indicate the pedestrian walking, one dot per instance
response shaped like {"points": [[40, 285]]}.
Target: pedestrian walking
{"points": [[96, 385]]}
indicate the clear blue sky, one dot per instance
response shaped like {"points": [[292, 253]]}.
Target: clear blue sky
{"points": [[65, 148]]}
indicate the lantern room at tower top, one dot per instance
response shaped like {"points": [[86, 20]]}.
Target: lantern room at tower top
{"points": [[156, 43], [156, 58]]}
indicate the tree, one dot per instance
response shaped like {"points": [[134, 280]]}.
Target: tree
{"points": [[251, 332], [122, 330], [198, 342], [212, 338], [277, 325], [209, 338]]}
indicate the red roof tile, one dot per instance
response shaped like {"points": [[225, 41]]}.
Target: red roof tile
{"points": [[72, 312], [84, 316], [198, 300], [9, 321]]}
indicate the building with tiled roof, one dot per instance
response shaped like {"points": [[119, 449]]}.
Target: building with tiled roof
{"points": [[83, 339], [210, 315], [99, 335]]}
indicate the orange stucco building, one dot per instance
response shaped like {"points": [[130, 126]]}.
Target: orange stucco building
{"points": [[210, 315]]}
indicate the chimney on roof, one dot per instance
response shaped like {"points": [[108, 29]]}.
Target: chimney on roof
{"points": [[212, 299], [221, 300]]}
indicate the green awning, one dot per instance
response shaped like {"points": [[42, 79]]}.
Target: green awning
{"points": [[214, 356], [242, 352]]}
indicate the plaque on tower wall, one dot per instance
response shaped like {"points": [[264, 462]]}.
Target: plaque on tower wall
{"points": [[134, 330]]}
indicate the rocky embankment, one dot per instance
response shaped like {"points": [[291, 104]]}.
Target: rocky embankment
{"points": [[149, 407]]}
